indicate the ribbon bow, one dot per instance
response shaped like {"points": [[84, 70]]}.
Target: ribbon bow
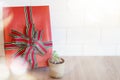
{"points": [[30, 43]]}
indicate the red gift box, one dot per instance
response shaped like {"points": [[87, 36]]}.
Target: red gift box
{"points": [[14, 18]]}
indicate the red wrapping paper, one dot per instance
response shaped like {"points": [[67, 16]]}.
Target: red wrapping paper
{"points": [[14, 18]]}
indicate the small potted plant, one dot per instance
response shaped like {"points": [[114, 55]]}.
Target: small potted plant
{"points": [[56, 66]]}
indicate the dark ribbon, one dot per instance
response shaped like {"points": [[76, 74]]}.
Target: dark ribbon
{"points": [[29, 43]]}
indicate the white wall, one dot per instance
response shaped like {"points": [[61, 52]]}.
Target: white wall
{"points": [[82, 27]]}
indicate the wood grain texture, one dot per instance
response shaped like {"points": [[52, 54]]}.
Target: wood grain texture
{"points": [[85, 68]]}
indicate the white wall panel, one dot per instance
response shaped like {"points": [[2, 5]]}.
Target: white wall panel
{"points": [[100, 50], [15, 2], [83, 35], [111, 35]]}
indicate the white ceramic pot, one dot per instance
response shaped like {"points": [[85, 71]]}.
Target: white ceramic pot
{"points": [[56, 70]]}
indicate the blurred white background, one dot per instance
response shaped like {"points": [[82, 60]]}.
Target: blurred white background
{"points": [[79, 27]]}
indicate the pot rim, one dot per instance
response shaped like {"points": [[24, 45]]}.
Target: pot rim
{"points": [[63, 61]]}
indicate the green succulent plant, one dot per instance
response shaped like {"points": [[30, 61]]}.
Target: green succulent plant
{"points": [[55, 58]]}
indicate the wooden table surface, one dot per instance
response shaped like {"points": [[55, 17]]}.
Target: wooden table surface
{"points": [[84, 68]]}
